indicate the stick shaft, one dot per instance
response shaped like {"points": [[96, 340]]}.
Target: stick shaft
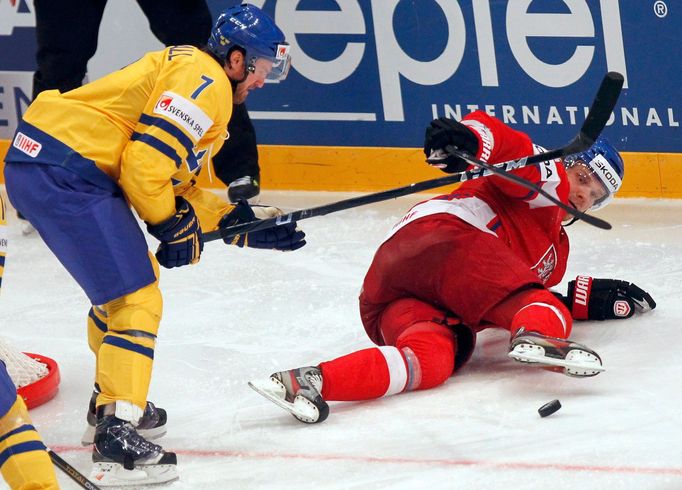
{"points": [[72, 472], [599, 113]]}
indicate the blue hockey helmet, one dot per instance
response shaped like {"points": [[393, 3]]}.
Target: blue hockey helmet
{"points": [[605, 162], [251, 29]]}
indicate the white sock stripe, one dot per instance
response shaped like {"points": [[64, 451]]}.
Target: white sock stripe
{"points": [[556, 311], [397, 372]]}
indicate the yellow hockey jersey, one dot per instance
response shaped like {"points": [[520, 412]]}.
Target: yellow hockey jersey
{"points": [[150, 127]]}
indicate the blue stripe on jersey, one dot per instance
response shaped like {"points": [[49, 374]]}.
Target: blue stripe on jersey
{"points": [[23, 447], [193, 159], [175, 132], [18, 430], [98, 323], [159, 146], [2, 260], [127, 345], [169, 128]]}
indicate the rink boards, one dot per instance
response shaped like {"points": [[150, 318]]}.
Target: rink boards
{"points": [[368, 75]]}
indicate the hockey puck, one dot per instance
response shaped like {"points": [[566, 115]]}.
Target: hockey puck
{"points": [[549, 408]]}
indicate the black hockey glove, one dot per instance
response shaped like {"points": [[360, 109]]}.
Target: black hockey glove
{"points": [[180, 237], [605, 299], [443, 132], [284, 237]]}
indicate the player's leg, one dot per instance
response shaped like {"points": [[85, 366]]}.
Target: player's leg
{"points": [[97, 327], [152, 424], [67, 38], [124, 367], [420, 354], [540, 325], [95, 236], [24, 461], [474, 275], [176, 22], [236, 164]]}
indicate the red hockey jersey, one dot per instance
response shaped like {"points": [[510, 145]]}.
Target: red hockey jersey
{"points": [[527, 222]]}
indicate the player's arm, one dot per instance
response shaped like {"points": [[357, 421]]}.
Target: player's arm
{"points": [[605, 299], [178, 129], [216, 213], [208, 207], [488, 139], [480, 135], [180, 124]]}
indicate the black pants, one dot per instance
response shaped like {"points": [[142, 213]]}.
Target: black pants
{"points": [[67, 33], [239, 155]]}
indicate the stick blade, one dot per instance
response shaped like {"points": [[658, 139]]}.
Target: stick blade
{"points": [[602, 107]]}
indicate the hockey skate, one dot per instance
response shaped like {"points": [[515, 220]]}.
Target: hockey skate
{"points": [[152, 424], [555, 354], [122, 457], [297, 391]]}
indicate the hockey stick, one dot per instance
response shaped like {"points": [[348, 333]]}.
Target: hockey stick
{"points": [[596, 119], [72, 472]]}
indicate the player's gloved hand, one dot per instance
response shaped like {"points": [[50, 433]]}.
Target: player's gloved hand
{"points": [[606, 299], [180, 237], [442, 132], [283, 237]]}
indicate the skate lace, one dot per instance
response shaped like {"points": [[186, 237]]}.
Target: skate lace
{"points": [[131, 442]]}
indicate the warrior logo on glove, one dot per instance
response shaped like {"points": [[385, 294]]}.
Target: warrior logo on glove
{"points": [[605, 299]]}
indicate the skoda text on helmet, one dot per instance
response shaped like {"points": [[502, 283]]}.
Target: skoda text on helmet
{"points": [[251, 29], [605, 162]]}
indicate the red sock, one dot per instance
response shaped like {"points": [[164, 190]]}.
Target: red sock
{"points": [[543, 318], [363, 375]]}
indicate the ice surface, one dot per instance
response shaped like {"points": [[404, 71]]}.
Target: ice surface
{"points": [[242, 314]]}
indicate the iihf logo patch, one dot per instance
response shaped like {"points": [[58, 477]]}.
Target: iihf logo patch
{"points": [[621, 308], [26, 144]]}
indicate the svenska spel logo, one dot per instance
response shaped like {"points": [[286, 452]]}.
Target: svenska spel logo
{"points": [[164, 102]]}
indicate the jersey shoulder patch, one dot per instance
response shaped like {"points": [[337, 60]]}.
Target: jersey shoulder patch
{"points": [[184, 113]]}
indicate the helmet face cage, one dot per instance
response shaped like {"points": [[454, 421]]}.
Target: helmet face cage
{"points": [[603, 162], [281, 62], [251, 29]]}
